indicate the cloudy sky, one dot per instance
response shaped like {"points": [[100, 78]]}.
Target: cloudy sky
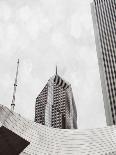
{"points": [[43, 34]]}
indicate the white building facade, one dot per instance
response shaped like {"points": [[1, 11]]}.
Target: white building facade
{"points": [[104, 22]]}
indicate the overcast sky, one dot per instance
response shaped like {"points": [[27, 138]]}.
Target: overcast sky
{"points": [[43, 33]]}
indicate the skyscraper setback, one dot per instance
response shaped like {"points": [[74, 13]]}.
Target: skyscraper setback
{"points": [[55, 106], [104, 21]]}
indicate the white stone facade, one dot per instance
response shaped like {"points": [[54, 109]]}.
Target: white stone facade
{"points": [[104, 23], [51, 141]]}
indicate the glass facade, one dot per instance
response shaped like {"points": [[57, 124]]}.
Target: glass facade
{"points": [[55, 106]]}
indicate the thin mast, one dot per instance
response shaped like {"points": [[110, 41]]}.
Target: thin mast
{"points": [[15, 85], [56, 70]]}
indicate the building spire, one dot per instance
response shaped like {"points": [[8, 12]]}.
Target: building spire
{"points": [[56, 70], [15, 85]]}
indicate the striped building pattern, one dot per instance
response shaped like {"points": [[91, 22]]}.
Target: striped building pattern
{"points": [[104, 21], [45, 140], [55, 106]]}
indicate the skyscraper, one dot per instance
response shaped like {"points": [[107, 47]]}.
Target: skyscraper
{"points": [[55, 106], [104, 21]]}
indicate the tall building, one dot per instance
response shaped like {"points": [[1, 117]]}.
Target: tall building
{"points": [[104, 21], [55, 106]]}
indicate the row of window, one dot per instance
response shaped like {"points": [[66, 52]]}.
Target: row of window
{"points": [[104, 16]]}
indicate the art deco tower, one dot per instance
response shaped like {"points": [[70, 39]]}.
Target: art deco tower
{"points": [[55, 106], [104, 21]]}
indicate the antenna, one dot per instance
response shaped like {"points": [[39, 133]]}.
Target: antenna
{"points": [[56, 70], [15, 85]]}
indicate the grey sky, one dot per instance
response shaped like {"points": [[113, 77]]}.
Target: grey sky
{"points": [[43, 33]]}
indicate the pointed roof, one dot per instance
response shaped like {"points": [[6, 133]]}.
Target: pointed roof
{"points": [[56, 70]]}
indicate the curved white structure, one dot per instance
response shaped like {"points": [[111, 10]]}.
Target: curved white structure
{"points": [[51, 141]]}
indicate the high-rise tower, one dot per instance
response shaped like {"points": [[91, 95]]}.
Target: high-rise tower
{"points": [[55, 106], [104, 21]]}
